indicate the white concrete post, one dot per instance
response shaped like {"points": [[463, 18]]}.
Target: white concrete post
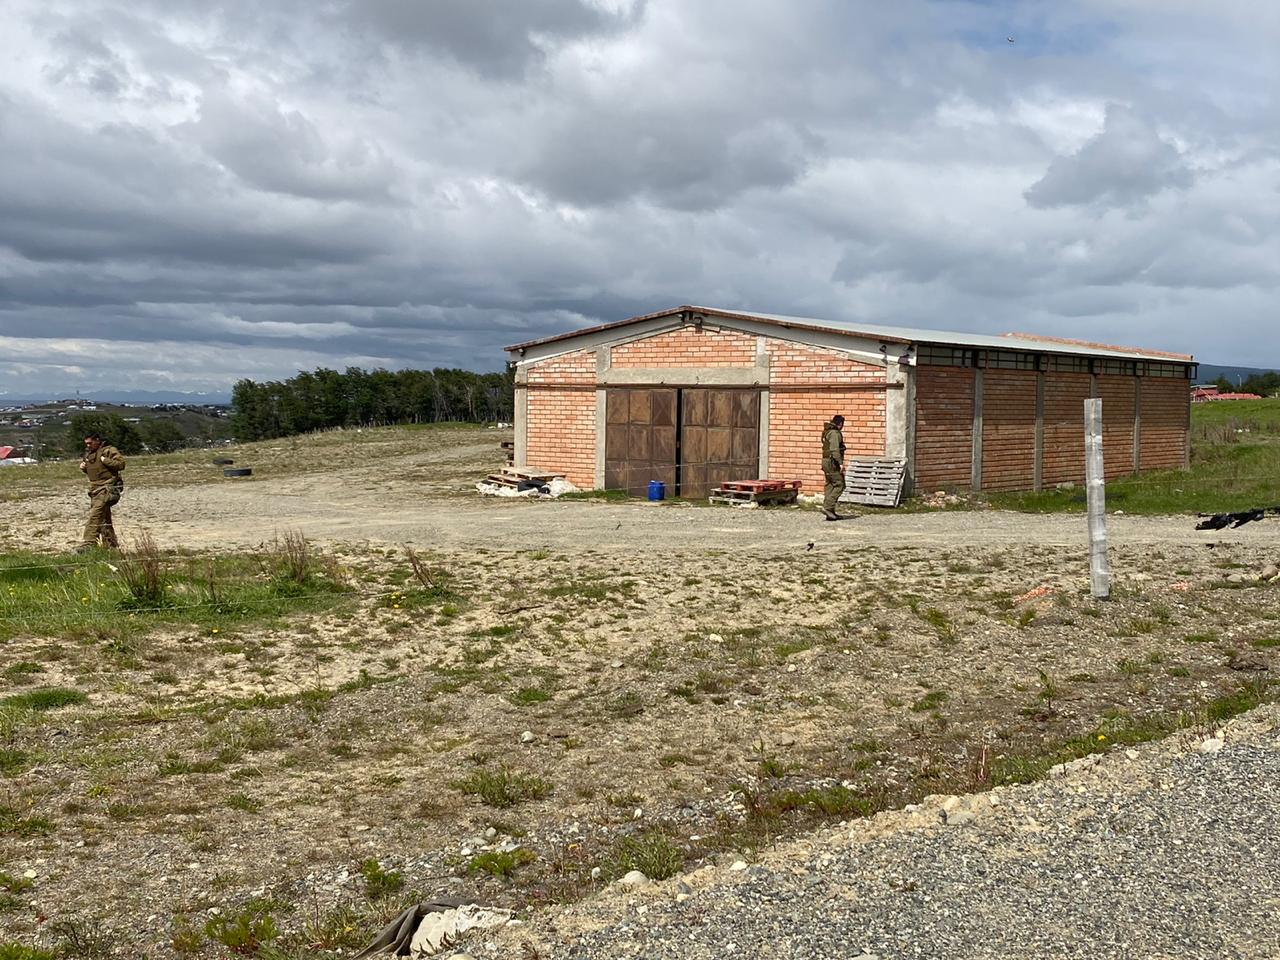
{"points": [[1096, 487]]}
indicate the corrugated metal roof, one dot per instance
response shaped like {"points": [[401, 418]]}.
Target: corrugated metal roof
{"points": [[1023, 342]]}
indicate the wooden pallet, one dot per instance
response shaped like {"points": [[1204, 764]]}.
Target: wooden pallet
{"points": [[513, 477], [765, 498], [874, 481], [760, 486]]}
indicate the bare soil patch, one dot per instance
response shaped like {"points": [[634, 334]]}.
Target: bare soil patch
{"points": [[630, 674]]}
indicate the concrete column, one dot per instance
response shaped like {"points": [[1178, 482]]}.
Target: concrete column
{"points": [[602, 425], [975, 472], [1137, 424], [764, 433], [1037, 470], [900, 419], [520, 455]]}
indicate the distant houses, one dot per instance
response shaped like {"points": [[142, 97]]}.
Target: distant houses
{"points": [[1203, 393]]}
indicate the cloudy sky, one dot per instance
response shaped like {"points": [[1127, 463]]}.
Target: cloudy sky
{"points": [[194, 192]]}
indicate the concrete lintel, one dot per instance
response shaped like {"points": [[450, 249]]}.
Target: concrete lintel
{"points": [[687, 376]]}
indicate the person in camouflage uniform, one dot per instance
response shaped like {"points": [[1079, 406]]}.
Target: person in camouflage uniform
{"points": [[832, 465], [102, 464]]}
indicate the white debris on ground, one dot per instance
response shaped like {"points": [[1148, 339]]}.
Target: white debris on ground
{"points": [[556, 488], [440, 930]]}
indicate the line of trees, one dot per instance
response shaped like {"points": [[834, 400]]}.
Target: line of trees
{"points": [[1263, 384], [154, 434], [323, 399]]}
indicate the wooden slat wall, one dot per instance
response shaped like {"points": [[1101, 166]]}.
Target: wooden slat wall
{"points": [[1064, 397], [1118, 395], [1008, 429], [1166, 412], [944, 426]]}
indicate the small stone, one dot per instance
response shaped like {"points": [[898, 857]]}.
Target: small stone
{"points": [[634, 878], [527, 737], [1212, 745], [714, 638], [791, 668], [737, 866], [681, 897], [684, 887], [959, 818], [1270, 572], [30, 874], [490, 833], [1132, 754], [595, 873]]}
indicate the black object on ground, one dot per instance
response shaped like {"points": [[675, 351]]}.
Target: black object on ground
{"points": [[222, 461], [1219, 521], [238, 472]]}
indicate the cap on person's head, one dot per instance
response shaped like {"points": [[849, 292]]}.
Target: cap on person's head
{"points": [[837, 419], [93, 436]]}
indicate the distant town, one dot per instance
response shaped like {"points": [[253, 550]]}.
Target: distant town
{"points": [[30, 432]]}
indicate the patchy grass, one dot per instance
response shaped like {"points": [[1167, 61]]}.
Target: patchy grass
{"points": [[74, 597], [500, 863], [504, 787], [1235, 458]]}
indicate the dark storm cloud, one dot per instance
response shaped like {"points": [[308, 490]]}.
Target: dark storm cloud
{"points": [[1126, 163], [209, 191], [495, 38]]}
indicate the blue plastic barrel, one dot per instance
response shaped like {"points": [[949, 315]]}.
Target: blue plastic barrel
{"points": [[657, 490]]}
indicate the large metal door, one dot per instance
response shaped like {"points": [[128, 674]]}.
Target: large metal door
{"points": [[719, 438], [640, 439]]}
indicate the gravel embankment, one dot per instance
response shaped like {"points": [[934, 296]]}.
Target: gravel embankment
{"points": [[1168, 851]]}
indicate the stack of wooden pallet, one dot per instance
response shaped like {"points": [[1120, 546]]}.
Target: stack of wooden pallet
{"points": [[763, 492], [520, 478], [509, 451], [874, 481]]}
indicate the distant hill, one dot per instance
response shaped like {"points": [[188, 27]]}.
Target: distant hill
{"points": [[1210, 372]]}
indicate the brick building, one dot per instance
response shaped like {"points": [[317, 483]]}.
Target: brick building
{"points": [[693, 396]]}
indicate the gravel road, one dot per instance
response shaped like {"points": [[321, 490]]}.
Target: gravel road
{"points": [[1169, 851], [246, 514]]}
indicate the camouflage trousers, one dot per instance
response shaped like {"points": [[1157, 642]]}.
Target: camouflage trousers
{"points": [[834, 487], [99, 523]]}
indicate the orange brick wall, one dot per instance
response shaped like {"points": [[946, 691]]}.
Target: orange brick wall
{"points": [[1166, 414], [1008, 429], [944, 427], [1118, 396], [688, 347], [561, 433], [1064, 397], [802, 399], [578, 367]]}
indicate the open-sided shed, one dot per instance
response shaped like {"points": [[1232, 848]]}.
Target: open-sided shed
{"points": [[694, 396]]}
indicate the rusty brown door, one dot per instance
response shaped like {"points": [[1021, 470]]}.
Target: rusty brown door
{"points": [[719, 438], [640, 439]]}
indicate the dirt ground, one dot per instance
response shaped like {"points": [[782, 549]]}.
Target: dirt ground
{"points": [[643, 667]]}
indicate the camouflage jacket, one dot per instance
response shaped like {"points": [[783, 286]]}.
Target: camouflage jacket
{"points": [[103, 467], [832, 442]]}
